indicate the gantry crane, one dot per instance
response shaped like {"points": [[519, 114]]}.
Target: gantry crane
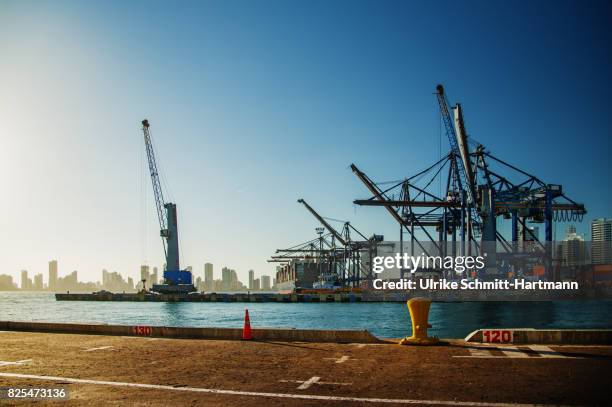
{"points": [[352, 271], [175, 280], [476, 195]]}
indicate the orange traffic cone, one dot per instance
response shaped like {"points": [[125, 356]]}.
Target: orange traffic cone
{"points": [[246, 331]]}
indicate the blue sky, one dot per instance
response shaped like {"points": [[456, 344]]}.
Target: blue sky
{"points": [[256, 104]]}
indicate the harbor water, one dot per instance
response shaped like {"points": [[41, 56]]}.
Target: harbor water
{"points": [[385, 320]]}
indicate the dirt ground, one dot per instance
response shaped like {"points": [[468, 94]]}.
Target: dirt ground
{"points": [[234, 373]]}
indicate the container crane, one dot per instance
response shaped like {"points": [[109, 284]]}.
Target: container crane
{"points": [[353, 271], [479, 193], [176, 281]]}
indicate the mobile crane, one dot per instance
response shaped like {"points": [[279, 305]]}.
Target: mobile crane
{"points": [[175, 280]]}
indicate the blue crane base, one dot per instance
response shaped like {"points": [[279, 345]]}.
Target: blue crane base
{"points": [[178, 277], [175, 282]]}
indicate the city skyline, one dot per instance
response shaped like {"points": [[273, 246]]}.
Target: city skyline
{"points": [[114, 281], [253, 107]]}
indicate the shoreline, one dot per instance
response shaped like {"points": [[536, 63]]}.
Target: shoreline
{"points": [[365, 296]]}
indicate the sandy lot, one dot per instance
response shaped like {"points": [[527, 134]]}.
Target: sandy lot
{"points": [[151, 372]]}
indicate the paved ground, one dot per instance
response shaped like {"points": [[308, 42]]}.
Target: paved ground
{"points": [[110, 370]]}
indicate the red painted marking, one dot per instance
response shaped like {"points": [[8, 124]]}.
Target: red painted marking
{"points": [[142, 330], [497, 336]]}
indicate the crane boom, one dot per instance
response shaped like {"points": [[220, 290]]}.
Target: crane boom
{"points": [[461, 153], [377, 193], [157, 189], [457, 137], [323, 222]]}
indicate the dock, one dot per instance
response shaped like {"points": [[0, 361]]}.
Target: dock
{"points": [[210, 297], [364, 296], [126, 370]]}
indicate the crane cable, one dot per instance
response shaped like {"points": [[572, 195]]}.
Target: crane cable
{"points": [[567, 215], [439, 152], [142, 186]]}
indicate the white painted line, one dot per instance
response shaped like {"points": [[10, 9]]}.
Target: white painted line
{"points": [[309, 382], [260, 394], [482, 357], [145, 338], [546, 352], [479, 353], [304, 384], [514, 352], [341, 359], [99, 348], [335, 384], [19, 362]]}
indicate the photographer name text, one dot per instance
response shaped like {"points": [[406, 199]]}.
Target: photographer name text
{"points": [[466, 284]]}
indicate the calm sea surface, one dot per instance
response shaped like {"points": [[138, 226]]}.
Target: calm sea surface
{"points": [[387, 320]]}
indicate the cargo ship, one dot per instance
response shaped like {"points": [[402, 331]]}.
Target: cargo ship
{"points": [[300, 276], [297, 275]]}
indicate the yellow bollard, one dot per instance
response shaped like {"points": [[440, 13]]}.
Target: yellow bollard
{"points": [[419, 313]]}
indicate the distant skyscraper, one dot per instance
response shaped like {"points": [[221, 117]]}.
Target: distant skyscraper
{"points": [[229, 280], [25, 281], [251, 278], [572, 249], [153, 276], [6, 283], [144, 275], [208, 277], [601, 237], [53, 275], [73, 279], [265, 283], [225, 279], [114, 282], [38, 282]]}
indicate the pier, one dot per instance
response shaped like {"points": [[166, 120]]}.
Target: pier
{"points": [[122, 370], [211, 297], [364, 296]]}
